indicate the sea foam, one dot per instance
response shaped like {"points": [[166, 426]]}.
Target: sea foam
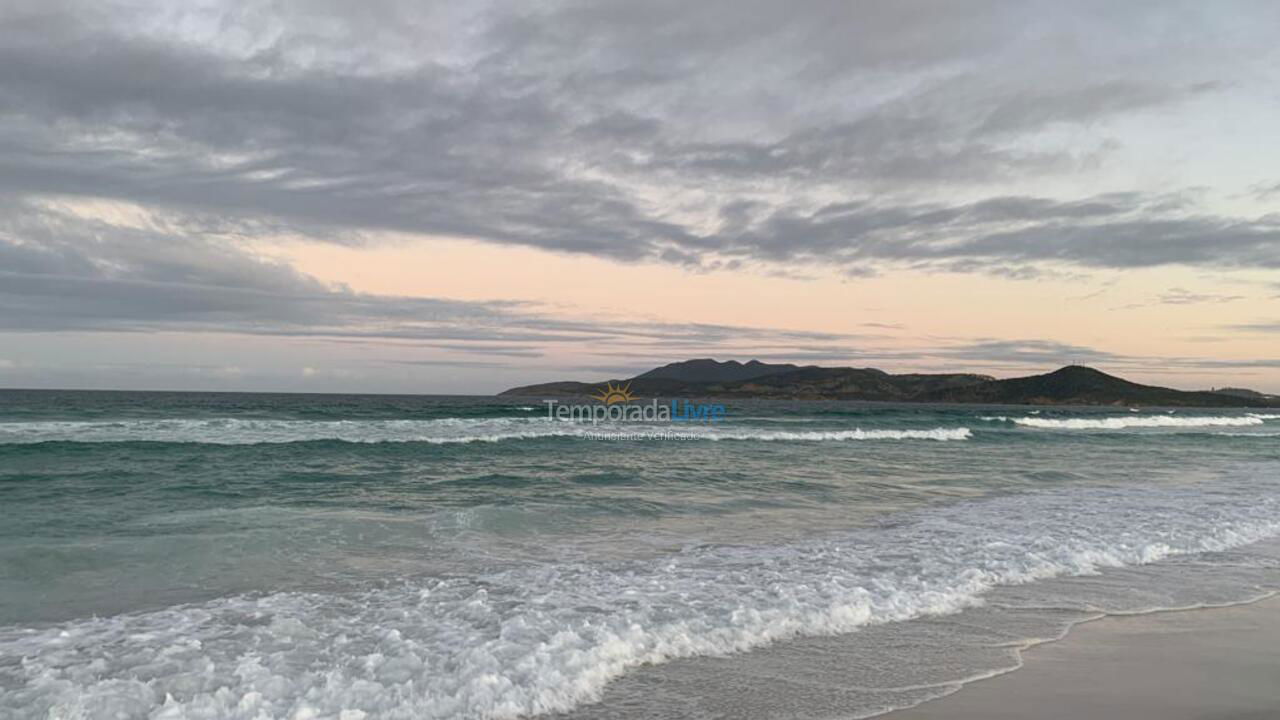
{"points": [[1138, 421], [550, 636], [237, 431]]}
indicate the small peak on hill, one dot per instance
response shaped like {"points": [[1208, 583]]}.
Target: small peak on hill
{"points": [[710, 370], [1075, 378], [1081, 371]]}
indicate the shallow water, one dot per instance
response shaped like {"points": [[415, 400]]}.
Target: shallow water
{"points": [[241, 556]]}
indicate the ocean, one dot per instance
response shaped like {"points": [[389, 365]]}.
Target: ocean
{"points": [[210, 555]]}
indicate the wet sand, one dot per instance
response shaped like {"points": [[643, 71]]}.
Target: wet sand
{"points": [[1210, 664]]}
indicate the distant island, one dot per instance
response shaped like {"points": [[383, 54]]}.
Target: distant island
{"points": [[1071, 385]]}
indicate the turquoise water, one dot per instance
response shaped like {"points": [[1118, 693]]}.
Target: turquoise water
{"points": [[187, 555]]}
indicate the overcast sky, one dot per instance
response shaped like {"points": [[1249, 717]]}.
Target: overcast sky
{"points": [[460, 197]]}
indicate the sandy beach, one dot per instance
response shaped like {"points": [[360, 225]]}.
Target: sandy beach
{"points": [[1210, 664]]}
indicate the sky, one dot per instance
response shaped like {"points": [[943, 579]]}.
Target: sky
{"points": [[454, 197]]}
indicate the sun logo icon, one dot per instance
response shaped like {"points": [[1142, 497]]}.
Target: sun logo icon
{"points": [[611, 394]]}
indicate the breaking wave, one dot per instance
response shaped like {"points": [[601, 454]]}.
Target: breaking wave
{"points": [[549, 637], [1138, 421], [437, 431]]}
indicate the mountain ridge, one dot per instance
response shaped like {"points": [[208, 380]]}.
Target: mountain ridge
{"points": [[1070, 385]]}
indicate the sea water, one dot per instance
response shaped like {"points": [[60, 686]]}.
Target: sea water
{"points": [[191, 555]]}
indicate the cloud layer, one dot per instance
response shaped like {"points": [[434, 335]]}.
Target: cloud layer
{"points": [[708, 135], [61, 271]]}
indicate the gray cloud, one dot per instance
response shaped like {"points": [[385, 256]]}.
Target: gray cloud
{"points": [[1265, 191], [60, 271], [1019, 355], [466, 363], [1263, 326], [624, 130], [1118, 231], [1048, 354], [1182, 296]]}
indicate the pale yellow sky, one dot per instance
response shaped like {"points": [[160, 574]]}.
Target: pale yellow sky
{"points": [[1147, 315]]}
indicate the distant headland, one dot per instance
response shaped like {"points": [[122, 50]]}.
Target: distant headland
{"points": [[1071, 385]]}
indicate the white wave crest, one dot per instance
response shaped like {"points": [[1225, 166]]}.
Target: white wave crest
{"points": [[942, 434], [238, 431], [1249, 434], [1149, 421]]}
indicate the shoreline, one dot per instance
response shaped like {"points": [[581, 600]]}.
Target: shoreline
{"points": [[1215, 662]]}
